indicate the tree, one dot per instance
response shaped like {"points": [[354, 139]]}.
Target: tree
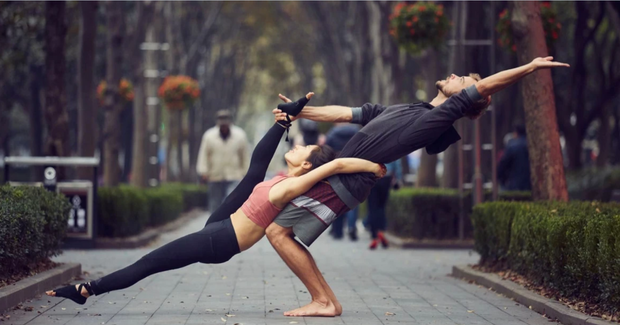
{"points": [[547, 170], [113, 106], [87, 113], [145, 12], [593, 81], [57, 143]]}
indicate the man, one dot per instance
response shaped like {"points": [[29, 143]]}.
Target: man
{"points": [[513, 170], [388, 134], [222, 158], [337, 138]]}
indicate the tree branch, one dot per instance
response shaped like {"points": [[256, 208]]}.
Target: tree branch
{"points": [[204, 33]]}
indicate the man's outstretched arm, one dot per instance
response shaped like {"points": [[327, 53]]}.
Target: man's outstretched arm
{"points": [[492, 84], [330, 113]]}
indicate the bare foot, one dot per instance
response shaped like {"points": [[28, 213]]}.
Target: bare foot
{"points": [[314, 309], [84, 292], [338, 308]]}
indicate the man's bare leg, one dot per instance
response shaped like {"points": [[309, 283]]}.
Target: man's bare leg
{"points": [[300, 261]]}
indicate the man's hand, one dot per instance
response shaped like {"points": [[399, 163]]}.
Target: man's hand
{"points": [[547, 62], [279, 115]]}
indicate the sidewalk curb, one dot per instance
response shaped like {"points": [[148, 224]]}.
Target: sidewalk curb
{"points": [[536, 302], [28, 288], [427, 244], [148, 235]]}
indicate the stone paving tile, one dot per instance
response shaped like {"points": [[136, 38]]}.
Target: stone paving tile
{"points": [[256, 287]]}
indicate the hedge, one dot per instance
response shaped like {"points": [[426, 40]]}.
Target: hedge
{"points": [[426, 213], [33, 221], [125, 211], [573, 248], [433, 213]]}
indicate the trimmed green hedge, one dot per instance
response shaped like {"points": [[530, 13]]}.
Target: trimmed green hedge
{"points": [[573, 248], [433, 213], [33, 221], [126, 211], [426, 213]]}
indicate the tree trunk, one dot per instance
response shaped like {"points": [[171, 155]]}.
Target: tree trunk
{"points": [[113, 106], [55, 97], [427, 173], [139, 163], [604, 138], [87, 107], [547, 170], [36, 122]]}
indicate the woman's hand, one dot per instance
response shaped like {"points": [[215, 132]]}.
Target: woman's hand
{"points": [[381, 171]]}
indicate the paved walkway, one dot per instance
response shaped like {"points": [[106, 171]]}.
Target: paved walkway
{"points": [[375, 287]]}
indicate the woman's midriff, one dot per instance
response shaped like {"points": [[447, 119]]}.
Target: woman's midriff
{"points": [[248, 233]]}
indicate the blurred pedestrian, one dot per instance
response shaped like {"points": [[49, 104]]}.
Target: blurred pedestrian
{"points": [[336, 138], [309, 135], [222, 158], [377, 201], [513, 170]]}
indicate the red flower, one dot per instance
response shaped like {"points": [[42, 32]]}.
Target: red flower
{"points": [[551, 20], [409, 24], [398, 7], [439, 13], [514, 48], [558, 25], [421, 8], [546, 4], [415, 19], [392, 32], [554, 34], [503, 13]]}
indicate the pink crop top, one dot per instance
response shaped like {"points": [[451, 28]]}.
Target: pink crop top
{"points": [[258, 207]]}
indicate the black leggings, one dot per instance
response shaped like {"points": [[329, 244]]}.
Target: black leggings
{"points": [[215, 243]]}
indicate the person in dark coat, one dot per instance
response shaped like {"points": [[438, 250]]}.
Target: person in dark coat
{"points": [[513, 170]]}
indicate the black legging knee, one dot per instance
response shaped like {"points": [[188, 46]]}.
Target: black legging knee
{"points": [[215, 243]]}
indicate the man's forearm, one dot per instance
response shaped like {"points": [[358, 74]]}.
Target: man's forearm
{"points": [[492, 84], [331, 113]]}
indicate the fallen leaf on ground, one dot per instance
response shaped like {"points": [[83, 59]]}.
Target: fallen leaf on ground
{"points": [[470, 311], [387, 313]]}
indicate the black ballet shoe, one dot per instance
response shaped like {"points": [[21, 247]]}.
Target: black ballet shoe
{"points": [[291, 109], [70, 292], [294, 108]]}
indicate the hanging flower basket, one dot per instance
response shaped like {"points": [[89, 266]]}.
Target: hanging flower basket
{"points": [[178, 92], [419, 26], [549, 21], [125, 89]]}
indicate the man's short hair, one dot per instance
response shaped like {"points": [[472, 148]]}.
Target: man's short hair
{"points": [[223, 116]]}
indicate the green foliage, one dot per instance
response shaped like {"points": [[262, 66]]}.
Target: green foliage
{"points": [[122, 211], [593, 184], [426, 213], [419, 26], [126, 211], [572, 248], [32, 224]]}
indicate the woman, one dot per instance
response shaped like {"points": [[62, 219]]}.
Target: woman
{"points": [[241, 220]]}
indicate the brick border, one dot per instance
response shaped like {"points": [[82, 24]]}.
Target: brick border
{"points": [[148, 235], [428, 244], [536, 302], [28, 288]]}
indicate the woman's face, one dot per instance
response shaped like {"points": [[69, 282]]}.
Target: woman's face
{"points": [[299, 155]]}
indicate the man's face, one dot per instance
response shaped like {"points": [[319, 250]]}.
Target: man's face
{"points": [[453, 84], [224, 127]]}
